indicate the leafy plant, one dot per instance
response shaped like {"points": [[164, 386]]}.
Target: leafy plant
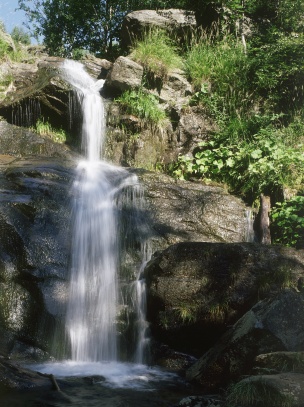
{"points": [[143, 105], [287, 222], [157, 53], [257, 393], [263, 164]]}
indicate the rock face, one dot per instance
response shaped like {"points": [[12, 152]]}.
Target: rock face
{"points": [[124, 75], [19, 142], [186, 211], [267, 327], [34, 222], [180, 23], [37, 90], [196, 290]]}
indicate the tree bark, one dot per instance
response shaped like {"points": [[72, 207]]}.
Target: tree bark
{"points": [[264, 231]]}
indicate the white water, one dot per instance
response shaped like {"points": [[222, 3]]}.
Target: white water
{"points": [[93, 297], [114, 374]]}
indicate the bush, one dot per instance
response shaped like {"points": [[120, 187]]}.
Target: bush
{"points": [[257, 393], [287, 222], [249, 167]]}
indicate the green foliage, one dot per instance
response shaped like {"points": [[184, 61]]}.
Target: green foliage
{"points": [[142, 105], [219, 71], [93, 25], [249, 167], [3, 48], [257, 393], [19, 35], [157, 53], [45, 129], [277, 73], [187, 313], [287, 222], [218, 311]]}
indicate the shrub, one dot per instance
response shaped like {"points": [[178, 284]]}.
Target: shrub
{"points": [[263, 164], [19, 35], [287, 222]]}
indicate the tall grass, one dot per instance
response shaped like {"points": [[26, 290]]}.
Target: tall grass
{"points": [[157, 53], [219, 71]]}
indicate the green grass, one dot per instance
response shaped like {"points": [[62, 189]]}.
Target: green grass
{"points": [[46, 130], [142, 105], [157, 53], [221, 69], [257, 393]]}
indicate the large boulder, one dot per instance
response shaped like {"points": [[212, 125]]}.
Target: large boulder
{"points": [[124, 75], [20, 142], [196, 290], [179, 23], [188, 211], [276, 324]]}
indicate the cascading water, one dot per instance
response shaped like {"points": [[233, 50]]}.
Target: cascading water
{"points": [[109, 249], [94, 291]]}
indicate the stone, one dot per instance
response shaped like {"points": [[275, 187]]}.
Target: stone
{"points": [[124, 75], [189, 211], [179, 23], [15, 377], [201, 401], [278, 362], [198, 287], [267, 327]]}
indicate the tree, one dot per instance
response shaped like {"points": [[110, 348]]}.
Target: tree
{"points": [[93, 25], [19, 35]]}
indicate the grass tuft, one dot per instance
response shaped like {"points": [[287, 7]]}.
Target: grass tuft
{"points": [[257, 393], [157, 53]]}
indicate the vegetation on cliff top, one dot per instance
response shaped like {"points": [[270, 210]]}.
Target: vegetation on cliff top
{"points": [[246, 68]]}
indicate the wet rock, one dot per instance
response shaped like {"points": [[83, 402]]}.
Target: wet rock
{"points": [[15, 377], [171, 360], [271, 325], [34, 218], [201, 401]]}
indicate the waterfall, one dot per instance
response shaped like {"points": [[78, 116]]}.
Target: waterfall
{"points": [[95, 248]]}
